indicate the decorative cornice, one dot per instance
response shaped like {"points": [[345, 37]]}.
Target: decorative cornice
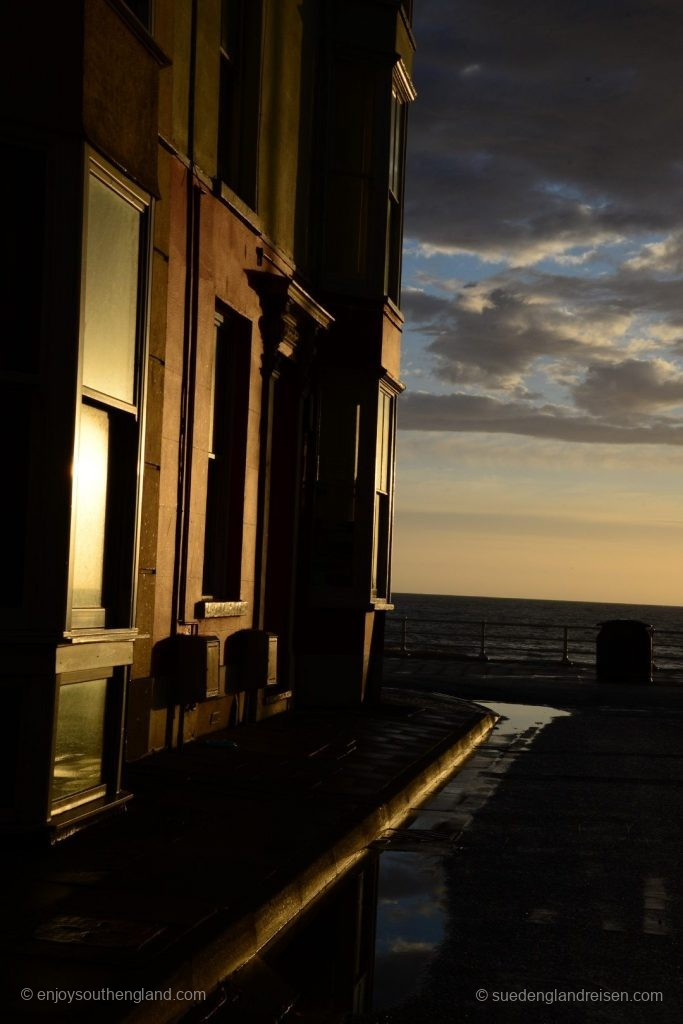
{"points": [[391, 383], [290, 314], [309, 306]]}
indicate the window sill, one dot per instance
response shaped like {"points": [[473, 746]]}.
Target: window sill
{"points": [[65, 823], [91, 635], [220, 609]]}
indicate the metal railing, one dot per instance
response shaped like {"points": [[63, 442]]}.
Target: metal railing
{"points": [[512, 641]]}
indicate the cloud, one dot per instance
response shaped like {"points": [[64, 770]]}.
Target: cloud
{"points": [[549, 130], [412, 946], [484, 414], [493, 335], [632, 386], [495, 332], [660, 257], [544, 127]]}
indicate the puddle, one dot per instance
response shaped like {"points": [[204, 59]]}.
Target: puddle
{"points": [[411, 916], [410, 922], [363, 948]]}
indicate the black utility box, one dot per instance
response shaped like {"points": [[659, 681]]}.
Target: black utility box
{"points": [[195, 667], [624, 652]]}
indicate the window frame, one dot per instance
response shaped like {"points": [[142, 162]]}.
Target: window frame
{"points": [[111, 723], [239, 101], [401, 94], [226, 457], [383, 494], [126, 421]]}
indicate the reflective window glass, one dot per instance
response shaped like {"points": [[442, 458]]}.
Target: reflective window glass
{"points": [[111, 292], [90, 474], [79, 740]]}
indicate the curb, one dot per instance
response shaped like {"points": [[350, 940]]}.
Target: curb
{"points": [[215, 961]]}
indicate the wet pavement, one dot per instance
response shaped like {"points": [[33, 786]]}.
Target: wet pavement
{"points": [[540, 882], [539, 682], [550, 888], [223, 848], [412, 906]]}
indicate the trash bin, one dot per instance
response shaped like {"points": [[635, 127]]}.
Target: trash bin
{"points": [[624, 652]]}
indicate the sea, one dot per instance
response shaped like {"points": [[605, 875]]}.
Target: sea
{"points": [[524, 629]]}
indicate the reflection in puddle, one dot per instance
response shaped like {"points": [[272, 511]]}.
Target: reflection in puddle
{"points": [[411, 884], [655, 898], [365, 944], [410, 922]]}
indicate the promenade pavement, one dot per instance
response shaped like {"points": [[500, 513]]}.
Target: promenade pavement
{"points": [[544, 682], [224, 845], [561, 888]]}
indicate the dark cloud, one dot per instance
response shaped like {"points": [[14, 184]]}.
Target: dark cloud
{"points": [[541, 125], [551, 129], [501, 340], [483, 414], [495, 331], [631, 386]]}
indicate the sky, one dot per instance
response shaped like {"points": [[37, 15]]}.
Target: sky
{"points": [[540, 445]]}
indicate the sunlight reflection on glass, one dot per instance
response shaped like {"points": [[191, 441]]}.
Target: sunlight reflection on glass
{"points": [[80, 737], [91, 489]]}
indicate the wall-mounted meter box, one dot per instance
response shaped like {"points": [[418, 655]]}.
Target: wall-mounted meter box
{"points": [[195, 668], [251, 657]]}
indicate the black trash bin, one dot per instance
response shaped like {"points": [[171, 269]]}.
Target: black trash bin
{"points": [[624, 652]]}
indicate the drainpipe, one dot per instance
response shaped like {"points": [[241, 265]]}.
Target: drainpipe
{"points": [[270, 375], [193, 197]]}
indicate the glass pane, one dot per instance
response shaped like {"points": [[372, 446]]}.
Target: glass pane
{"points": [[80, 737], [396, 145], [111, 292], [383, 464], [90, 472]]}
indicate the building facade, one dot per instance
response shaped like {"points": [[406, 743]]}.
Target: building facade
{"points": [[200, 370]]}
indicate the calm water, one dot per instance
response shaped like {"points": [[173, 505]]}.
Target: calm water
{"points": [[520, 628]]}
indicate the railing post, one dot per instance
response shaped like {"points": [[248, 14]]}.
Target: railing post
{"points": [[482, 645], [404, 637], [565, 647]]}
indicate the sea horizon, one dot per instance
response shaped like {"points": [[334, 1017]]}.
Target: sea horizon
{"points": [[542, 600]]}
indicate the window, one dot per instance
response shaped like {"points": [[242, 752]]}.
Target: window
{"points": [[227, 459], [384, 457], [106, 459], [79, 738], [240, 72], [392, 283]]}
